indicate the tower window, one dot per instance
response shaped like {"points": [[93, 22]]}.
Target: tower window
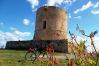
{"points": [[44, 24], [45, 9]]}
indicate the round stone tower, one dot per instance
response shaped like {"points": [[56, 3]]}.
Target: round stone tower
{"points": [[51, 23]]}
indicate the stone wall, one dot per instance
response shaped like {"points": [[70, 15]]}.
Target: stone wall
{"points": [[18, 45], [58, 45]]}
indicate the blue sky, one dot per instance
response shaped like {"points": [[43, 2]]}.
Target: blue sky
{"points": [[17, 17]]}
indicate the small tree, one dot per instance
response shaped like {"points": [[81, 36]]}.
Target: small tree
{"points": [[91, 36], [82, 57]]}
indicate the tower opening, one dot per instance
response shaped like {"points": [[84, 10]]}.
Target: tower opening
{"points": [[44, 24]]}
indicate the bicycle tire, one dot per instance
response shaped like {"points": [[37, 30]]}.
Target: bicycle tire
{"points": [[30, 56]]}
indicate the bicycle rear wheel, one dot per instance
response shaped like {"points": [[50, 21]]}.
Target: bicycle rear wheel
{"points": [[30, 56]]}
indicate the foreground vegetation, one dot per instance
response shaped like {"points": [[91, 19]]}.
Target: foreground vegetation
{"points": [[79, 49]]}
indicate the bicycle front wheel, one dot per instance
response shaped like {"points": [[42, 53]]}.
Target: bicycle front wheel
{"points": [[30, 56]]}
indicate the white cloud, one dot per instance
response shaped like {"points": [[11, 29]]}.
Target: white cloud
{"points": [[78, 17], [84, 7], [95, 11], [79, 38], [69, 2], [96, 5], [54, 2], [33, 10], [59, 2], [96, 41], [21, 34], [33, 3], [26, 22], [12, 36], [89, 48], [87, 6]]}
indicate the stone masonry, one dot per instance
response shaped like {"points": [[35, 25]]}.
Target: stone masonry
{"points": [[51, 23]]}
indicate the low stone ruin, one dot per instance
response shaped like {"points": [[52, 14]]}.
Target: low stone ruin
{"points": [[58, 45]]}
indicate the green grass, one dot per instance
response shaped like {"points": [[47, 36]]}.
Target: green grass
{"points": [[16, 58]]}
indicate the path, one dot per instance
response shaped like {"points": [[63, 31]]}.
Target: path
{"points": [[63, 56]]}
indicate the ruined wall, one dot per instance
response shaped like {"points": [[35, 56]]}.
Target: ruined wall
{"points": [[58, 45], [56, 23], [19, 45]]}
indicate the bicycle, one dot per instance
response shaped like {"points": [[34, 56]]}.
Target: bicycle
{"points": [[33, 53]]}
